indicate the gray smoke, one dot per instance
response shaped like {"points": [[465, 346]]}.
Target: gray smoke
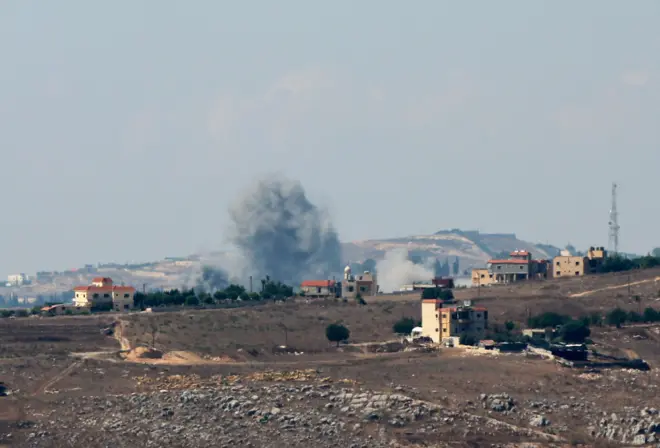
{"points": [[282, 234]]}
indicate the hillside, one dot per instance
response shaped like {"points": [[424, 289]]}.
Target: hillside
{"points": [[472, 247]]}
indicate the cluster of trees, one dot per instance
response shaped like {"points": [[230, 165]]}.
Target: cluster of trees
{"points": [[405, 325], [270, 290], [619, 316], [619, 263], [446, 269], [444, 294]]}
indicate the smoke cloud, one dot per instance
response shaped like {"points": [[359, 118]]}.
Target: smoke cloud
{"points": [[396, 270], [280, 233]]}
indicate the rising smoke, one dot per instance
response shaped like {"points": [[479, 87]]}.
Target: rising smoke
{"points": [[280, 233], [397, 269]]}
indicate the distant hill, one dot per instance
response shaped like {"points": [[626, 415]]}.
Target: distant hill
{"points": [[472, 247]]}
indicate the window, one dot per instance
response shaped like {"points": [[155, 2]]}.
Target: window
{"points": [[444, 316], [558, 273], [577, 263], [77, 295], [126, 296], [499, 267], [318, 290], [478, 316], [436, 316], [557, 263], [483, 276], [363, 289], [444, 330], [351, 289], [126, 306], [577, 272], [522, 267], [436, 330], [106, 296], [96, 295]]}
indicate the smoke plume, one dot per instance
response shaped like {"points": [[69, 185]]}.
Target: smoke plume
{"points": [[282, 234], [396, 270]]}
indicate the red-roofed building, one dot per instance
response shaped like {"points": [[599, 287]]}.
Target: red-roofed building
{"points": [[319, 288], [102, 292], [519, 267]]}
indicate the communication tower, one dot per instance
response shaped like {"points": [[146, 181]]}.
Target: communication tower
{"points": [[614, 223]]}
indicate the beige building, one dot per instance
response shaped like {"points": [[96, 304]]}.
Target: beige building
{"points": [[364, 284], [440, 323], [568, 266], [481, 277], [103, 292]]}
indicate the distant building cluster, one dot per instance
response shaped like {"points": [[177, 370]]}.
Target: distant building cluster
{"points": [[520, 267], [349, 287]]}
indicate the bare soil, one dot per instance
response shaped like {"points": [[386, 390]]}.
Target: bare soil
{"points": [[53, 366]]}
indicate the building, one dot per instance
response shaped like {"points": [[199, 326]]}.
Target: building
{"points": [[17, 279], [482, 277], [440, 323], [568, 265], [365, 284], [519, 266], [103, 293], [319, 288]]}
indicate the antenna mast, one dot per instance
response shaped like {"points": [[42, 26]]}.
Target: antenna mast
{"points": [[614, 223]]}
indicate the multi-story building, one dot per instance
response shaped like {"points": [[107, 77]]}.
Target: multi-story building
{"points": [[102, 292], [440, 323], [364, 284], [519, 266], [568, 265], [319, 288]]}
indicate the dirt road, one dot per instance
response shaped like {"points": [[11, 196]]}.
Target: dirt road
{"points": [[625, 285]]}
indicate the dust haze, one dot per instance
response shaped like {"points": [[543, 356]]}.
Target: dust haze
{"points": [[396, 270]]}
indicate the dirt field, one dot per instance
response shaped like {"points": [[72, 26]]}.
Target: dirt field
{"points": [[207, 387]]}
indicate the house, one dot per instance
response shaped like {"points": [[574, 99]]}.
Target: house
{"points": [[568, 265], [364, 284], [103, 293], [482, 277], [440, 323], [319, 288], [519, 266]]}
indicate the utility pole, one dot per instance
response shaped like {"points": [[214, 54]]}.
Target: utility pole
{"points": [[250, 284]]}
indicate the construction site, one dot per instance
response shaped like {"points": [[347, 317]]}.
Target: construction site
{"points": [[266, 375]]}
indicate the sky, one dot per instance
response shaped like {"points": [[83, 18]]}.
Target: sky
{"points": [[128, 128]]}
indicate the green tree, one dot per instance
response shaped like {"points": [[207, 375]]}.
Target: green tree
{"points": [[509, 325], [404, 325], [220, 296], [192, 301], [574, 331], [651, 315], [468, 339], [337, 333], [616, 317]]}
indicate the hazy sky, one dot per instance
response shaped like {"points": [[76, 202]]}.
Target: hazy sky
{"points": [[127, 127]]}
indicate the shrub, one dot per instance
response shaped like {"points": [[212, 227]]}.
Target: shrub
{"points": [[548, 320], [21, 313], [360, 300], [337, 333], [574, 331], [404, 325], [468, 339], [616, 317], [651, 315]]}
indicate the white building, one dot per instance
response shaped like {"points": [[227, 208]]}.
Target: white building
{"points": [[17, 279]]}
